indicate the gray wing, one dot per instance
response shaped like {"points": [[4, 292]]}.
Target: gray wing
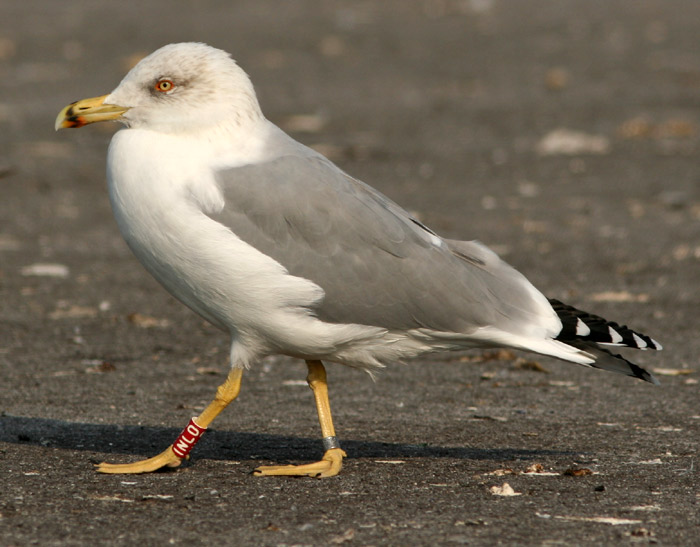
{"points": [[376, 264]]}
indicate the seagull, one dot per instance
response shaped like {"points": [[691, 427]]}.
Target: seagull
{"points": [[274, 244]]}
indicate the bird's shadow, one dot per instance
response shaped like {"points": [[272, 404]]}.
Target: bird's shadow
{"points": [[227, 445]]}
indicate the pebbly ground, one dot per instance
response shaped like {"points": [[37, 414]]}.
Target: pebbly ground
{"points": [[565, 135]]}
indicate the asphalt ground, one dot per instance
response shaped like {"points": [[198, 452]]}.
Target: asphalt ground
{"points": [[563, 134]]}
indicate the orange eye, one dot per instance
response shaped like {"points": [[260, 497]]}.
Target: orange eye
{"points": [[164, 86]]}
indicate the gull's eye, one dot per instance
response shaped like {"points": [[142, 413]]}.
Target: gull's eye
{"points": [[165, 85]]}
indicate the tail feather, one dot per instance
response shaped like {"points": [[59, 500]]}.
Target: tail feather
{"points": [[588, 332]]}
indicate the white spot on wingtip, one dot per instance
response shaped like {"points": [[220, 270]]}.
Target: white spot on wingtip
{"points": [[615, 337], [641, 344], [581, 328], [657, 346]]}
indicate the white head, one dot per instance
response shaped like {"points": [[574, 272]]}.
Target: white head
{"points": [[179, 87]]}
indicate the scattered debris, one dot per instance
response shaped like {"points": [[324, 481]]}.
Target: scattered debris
{"points": [[61, 373], [501, 472], [391, 462], [556, 79], [524, 364], [562, 383], [676, 128], [602, 520], [619, 296], [348, 535], [642, 128], [146, 321], [98, 366], [488, 417], [673, 371], [42, 269], [489, 203], [208, 371], [113, 498], [295, 383], [528, 189], [568, 142], [538, 470], [535, 468], [683, 252], [157, 497], [663, 428], [65, 311], [577, 472], [505, 490], [656, 461], [643, 534], [636, 128]]}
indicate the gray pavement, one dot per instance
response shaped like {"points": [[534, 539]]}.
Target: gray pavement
{"points": [[564, 134]]}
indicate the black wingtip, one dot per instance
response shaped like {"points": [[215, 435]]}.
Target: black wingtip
{"points": [[635, 370], [581, 325], [606, 360], [642, 374]]}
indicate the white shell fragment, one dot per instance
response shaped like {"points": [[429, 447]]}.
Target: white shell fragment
{"points": [[46, 270]]}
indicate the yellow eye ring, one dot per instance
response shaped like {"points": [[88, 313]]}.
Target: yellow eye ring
{"points": [[164, 86]]}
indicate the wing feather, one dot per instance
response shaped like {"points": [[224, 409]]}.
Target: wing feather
{"points": [[376, 265]]}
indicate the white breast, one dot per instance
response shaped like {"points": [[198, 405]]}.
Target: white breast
{"points": [[160, 189]]}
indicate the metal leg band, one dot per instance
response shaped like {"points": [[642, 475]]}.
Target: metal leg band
{"points": [[330, 442]]}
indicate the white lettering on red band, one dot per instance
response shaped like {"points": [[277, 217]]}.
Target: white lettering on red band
{"points": [[187, 439]]}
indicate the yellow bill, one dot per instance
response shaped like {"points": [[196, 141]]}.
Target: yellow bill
{"points": [[88, 111]]}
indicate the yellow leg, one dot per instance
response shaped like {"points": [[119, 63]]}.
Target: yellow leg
{"points": [[332, 460], [174, 454]]}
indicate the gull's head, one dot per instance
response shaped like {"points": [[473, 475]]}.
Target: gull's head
{"points": [[179, 87]]}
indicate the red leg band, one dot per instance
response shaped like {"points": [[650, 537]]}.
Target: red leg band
{"points": [[187, 439]]}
